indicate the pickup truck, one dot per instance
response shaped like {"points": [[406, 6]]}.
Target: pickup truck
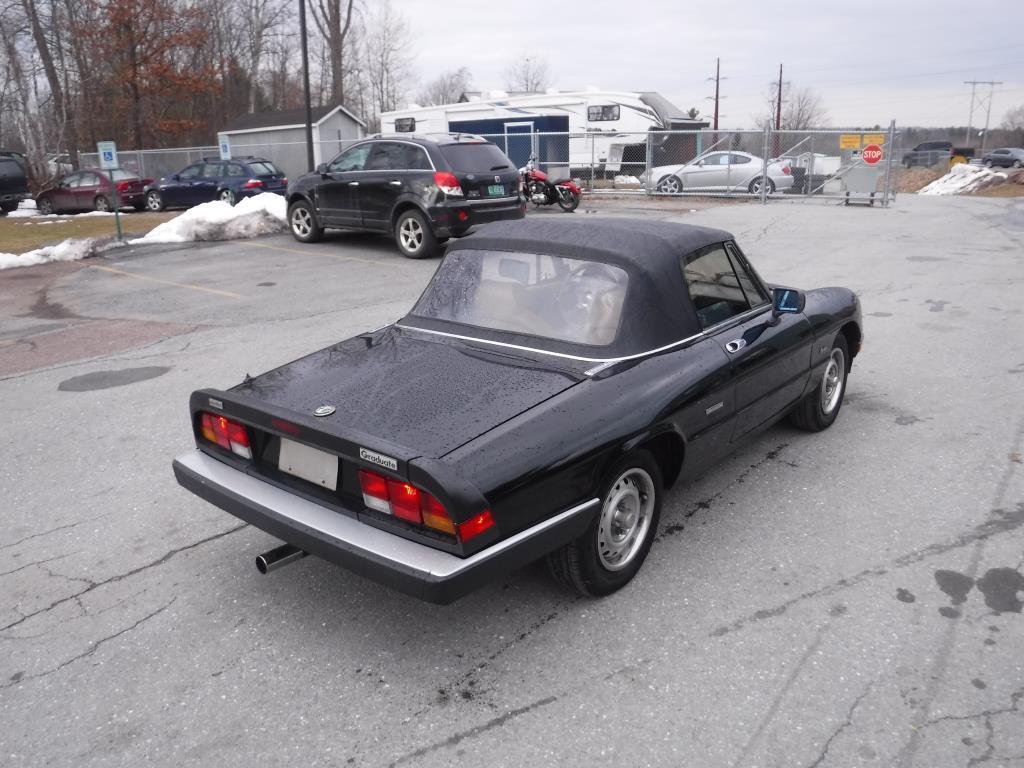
{"points": [[13, 180]]}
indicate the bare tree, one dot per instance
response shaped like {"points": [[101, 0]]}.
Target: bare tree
{"points": [[693, 113], [386, 59], [446, 88], [1014, 120], [333, 18], [527, 74], [801, 109]]}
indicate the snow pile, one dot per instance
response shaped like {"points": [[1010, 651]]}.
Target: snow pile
{"points": [[26, 208], [626, 180], [69, 250], [260, 215], [963, 179]]}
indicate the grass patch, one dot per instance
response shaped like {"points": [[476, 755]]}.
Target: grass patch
{"points": [[19, 235]]}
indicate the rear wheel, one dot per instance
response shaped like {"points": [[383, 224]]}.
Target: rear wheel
{"points": [[8, 207], [755, 186], [988, 163], [669, 185], [610, 553], [45, 207], [567, 199], [1016, 163], [302, 222], [414, 236], [101, 203], [821, 406], [154, 201], [227, 196]]}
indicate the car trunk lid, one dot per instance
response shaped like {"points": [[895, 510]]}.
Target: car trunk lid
{"points": [[482, 169]]}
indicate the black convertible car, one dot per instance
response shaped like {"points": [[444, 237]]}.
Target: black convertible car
{"points": [[552, 380]]}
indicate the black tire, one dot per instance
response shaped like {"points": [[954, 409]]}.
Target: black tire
{"points": [[669, 185], [988, 163], [1016, 163], [580, 565], [812, 413], [303, 223], [568, 201], [45, 207], [752, 188], [155, 201], [413, 235], [9, 207], [101, 203], [227, 196]]}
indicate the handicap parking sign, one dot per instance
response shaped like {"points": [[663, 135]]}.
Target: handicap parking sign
{"points": [[108, 154]]}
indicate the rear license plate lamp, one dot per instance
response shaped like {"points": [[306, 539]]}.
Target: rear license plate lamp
{"points": [[310, 464]]}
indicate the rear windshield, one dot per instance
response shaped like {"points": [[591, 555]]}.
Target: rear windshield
{"points": [[119, 174], [264, 169], [475, 158], [542, 295], [9, 167]]}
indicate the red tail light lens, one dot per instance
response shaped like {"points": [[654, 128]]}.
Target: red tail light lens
{"points": [[285, 181], [447, 183], [253, 184], [405, 501], [122, 186], [226, 433], [475, 525], [785, 170]]}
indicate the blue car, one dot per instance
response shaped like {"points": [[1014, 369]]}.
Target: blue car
{"points": [[216, 179]]}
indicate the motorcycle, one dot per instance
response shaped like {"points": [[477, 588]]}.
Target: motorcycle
{"points": [[538, 189]]}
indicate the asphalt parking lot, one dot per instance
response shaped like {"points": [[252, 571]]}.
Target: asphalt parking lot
{"points": [[849, 598]]}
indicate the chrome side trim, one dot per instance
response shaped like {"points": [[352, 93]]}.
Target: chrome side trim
{"points": [[328, 524], [604, 361]]}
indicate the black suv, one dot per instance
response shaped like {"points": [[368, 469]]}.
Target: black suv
{"points": [[13, 180], [421, 189], [928, 153]]}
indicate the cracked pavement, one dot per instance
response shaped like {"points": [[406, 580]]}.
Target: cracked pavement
{"points": [[850, 598]]}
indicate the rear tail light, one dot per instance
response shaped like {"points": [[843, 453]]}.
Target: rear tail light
{"points": [[409, 503], [228, 434], [123, 186], [447, 183], [785, 170], [284, 180], [253, 184]]}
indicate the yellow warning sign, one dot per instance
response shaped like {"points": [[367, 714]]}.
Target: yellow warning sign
{"points": [[849, 141], [874, 138]]}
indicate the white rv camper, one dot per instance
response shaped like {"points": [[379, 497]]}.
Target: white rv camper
{"points": [[606, 129]]}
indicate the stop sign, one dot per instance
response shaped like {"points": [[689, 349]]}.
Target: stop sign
{"points": [[872, 153]]}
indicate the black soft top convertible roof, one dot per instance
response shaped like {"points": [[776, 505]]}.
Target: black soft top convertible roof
{"points": [[657, 310]]}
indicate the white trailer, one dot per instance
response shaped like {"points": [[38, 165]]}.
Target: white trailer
{"points": [[602, 125]]}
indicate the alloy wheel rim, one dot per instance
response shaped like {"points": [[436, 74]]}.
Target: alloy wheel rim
{"points": [[102, 204], [227, 196], [302, 222], [671, 185], [411, 235], [625, 519], [153, 201], [832, 381]]}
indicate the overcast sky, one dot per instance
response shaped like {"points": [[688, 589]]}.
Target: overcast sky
{"points": [[869, 61]]}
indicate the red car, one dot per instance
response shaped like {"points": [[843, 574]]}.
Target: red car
{"points": [[92, 189]]}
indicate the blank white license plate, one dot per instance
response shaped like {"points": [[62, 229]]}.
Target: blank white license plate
{"points": [[309, 464]]}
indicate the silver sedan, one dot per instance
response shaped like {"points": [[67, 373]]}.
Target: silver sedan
{"points": [[720, 172]]}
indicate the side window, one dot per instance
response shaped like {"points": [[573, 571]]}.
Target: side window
{"points": [[213, 171], [718, 158], [405, 124], [72, 180], [416, 158], [88, 180], [235, 170], [749, 282], [603, 112], [735, 159], [351, 159], [387, 156], [714, 288], [191, 172]]}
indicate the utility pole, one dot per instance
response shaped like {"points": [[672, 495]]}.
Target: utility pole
{"points": [[718, 74], [778, 103], [305, 86], [981, 100]]}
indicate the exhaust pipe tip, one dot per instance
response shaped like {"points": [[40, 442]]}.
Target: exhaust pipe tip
{"points": [[278, 558]]}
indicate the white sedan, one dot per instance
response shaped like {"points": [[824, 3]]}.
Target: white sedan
{"points": [[720, 172]]}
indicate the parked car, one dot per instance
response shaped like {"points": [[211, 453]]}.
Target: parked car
{"points": [[720, 172], [554, 378], [216, 179], [928, 153], [420, 189], [1007, 157], [13, 180], [92, 189]]}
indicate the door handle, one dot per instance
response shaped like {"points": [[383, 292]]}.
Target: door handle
{"points": [[395, 183], [353, 183], [735, 345]]}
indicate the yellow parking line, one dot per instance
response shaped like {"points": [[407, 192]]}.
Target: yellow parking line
{"points": [[204, 289], [314, 252]]}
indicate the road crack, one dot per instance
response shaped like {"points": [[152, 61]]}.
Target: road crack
{"points": [[847, 723]]}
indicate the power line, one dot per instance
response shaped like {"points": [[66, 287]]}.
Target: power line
{"points": [[979, 101]]}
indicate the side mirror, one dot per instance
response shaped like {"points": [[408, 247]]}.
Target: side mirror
{"points": [[322, 169], [787, 301], [176, 177]]}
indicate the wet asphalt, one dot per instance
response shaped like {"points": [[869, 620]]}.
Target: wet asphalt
{"points": [[848, 598]]}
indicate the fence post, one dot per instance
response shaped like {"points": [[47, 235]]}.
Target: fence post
{"points": [[764, 166], [591, 162], [809, 173], [649, 163], [890, 149]]}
